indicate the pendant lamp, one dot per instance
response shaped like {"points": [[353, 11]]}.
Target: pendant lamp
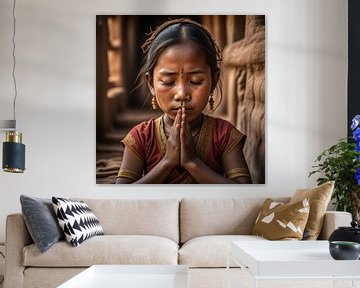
{"points": [[13, 150]]}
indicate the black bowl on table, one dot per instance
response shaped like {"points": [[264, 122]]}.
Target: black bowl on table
{"points": [[344, 250]]}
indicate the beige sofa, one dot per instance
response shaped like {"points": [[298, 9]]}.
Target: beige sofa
{"points": [[194, 232]]}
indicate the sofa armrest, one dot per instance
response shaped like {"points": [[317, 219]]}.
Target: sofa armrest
{"points": [[333, 220], [17, 237]]}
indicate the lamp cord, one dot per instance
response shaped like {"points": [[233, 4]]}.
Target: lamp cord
{"points": [[14, 61]]}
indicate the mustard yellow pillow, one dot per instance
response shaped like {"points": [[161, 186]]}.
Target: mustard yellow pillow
{"points": [[319, 198], [279, 221]]}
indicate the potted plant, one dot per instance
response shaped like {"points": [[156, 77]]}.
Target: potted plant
{"points": [[341, 163]]}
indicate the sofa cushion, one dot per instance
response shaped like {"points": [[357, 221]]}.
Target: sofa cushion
{"points": [[77, 220], [279, 221], [107, 249], [319, 198], [159, 217], [201, 217], [211, 251], [40, 220]]}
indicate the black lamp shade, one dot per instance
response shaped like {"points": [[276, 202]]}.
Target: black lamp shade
{"points": [[13, 156]]}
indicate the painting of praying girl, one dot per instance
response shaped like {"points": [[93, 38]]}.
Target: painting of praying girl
{"points": [[189, 107]]}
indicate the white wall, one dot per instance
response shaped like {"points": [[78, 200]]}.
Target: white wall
{"points": [[306, 98]]}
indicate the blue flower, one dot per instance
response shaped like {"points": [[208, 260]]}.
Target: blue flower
{"points": [[355, 122], [355, 126], [356, 134], [357, 176]]}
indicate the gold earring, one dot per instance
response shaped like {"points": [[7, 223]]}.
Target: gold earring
{"points": [[211, 102], [154, 104]]}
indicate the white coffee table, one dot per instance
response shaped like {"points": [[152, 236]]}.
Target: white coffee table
{"points": [[131, 276], [270, 260]]}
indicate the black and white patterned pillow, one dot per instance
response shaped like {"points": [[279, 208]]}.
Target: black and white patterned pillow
{"points": [[77, 220]]}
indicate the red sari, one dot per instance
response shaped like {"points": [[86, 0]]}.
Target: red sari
{"points": [[217, 138]]}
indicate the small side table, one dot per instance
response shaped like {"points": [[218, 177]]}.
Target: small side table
{"points": [[287, 261], [131, 276]]}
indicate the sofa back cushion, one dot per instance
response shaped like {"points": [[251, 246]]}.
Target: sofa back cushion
{"points": [[200, 217], [159, 217]]}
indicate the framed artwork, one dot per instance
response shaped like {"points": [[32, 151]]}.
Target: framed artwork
{"points": [[180, 99]]}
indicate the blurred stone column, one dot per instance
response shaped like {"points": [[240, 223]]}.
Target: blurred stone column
{"points": [[244, 63]]}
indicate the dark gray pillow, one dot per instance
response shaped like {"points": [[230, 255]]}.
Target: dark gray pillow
{"points": [[41, 221]]}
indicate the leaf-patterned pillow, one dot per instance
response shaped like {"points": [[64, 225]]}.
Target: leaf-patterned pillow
{"points": [[279, 221]]}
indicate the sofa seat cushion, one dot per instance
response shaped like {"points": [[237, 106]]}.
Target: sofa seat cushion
{"points": [[211, 251], [107, 249]]}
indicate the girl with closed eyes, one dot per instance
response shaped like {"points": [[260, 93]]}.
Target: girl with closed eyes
{"points": [[181, 70]]}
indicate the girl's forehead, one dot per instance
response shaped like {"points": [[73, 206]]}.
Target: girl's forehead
{"points": [[183, 47], [183, 54]]}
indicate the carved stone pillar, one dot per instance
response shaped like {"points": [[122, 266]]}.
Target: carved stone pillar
{"points": [[244, 63]]}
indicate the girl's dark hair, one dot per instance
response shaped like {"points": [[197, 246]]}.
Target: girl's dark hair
{"points": [[177, 31]]}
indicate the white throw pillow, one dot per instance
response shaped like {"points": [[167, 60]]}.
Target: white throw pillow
{"points": [[77, 220]]}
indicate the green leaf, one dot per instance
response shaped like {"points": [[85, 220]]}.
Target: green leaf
{"points": [[338, 163]]}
